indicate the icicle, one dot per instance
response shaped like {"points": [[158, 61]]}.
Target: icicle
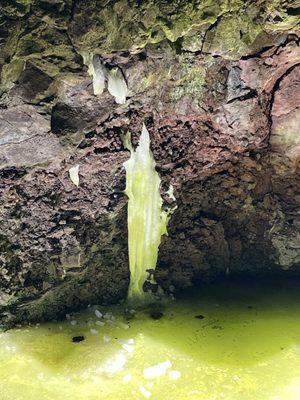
{"points": [[117, 86], [97, 70]]}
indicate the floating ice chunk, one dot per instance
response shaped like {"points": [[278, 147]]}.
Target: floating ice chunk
{"points": [[157, 370], [94, 331], [100, 323], [74, 175], [123, 326], [127, 378], [173, 375], [106, 339], [128, 347], [145, 392], [115, 364], [12, 349], [98, 314], [117, 86], [126, 341]]}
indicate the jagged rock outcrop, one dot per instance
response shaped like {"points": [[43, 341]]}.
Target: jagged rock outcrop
{"points": [[217, 84]]}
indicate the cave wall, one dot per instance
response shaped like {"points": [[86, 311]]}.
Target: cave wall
{"points": [[217, 84]]}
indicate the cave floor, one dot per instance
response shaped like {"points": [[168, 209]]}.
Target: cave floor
{"points": [[229, 340]]}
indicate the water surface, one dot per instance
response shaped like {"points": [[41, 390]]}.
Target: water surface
{"points": [[231, 341]]}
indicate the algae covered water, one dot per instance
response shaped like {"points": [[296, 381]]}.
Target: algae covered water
{"points": [[225, 341]]}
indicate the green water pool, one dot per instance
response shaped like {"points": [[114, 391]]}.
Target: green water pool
{"points": [[231, 341]]}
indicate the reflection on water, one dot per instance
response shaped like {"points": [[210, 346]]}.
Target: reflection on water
{"points": [[232, 341]]}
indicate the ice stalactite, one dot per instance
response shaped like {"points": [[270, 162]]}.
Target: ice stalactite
{"points": [[97, 70], [103, 76]]}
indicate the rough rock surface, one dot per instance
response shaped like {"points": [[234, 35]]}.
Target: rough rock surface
{"points": [[217, 84]]}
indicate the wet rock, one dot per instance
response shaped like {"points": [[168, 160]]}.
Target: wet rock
{"points": [[235, 86], [78, 339], [155, 314], [31, 83], [26, 139]]}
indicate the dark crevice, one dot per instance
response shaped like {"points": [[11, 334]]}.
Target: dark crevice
{"points": [[289, 39], [210, 28], [293, 11], [73, 47], [12, 173], [208, 215], [276, 86], [273, 93], [178, 45], [256, 54], [72, 11], [250, 95]]}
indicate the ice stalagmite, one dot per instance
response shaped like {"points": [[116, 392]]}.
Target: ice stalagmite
{"points": [[146, 220]]}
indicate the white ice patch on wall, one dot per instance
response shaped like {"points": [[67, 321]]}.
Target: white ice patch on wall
{"points": [[74, 175]]}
